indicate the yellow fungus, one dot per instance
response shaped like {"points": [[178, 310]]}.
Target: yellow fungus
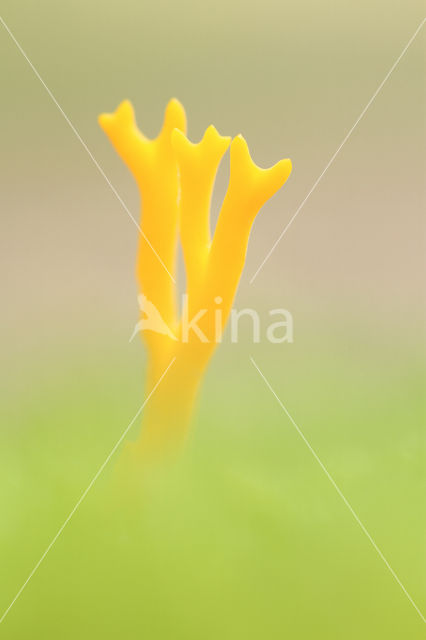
{"points": [[176, 178]]}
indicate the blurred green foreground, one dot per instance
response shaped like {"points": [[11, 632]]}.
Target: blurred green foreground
{"points": [[244, 536]]}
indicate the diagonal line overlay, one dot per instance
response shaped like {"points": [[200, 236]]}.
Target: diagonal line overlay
{"points": [[92, 157], [335, 154], [337, 488], [86, 491]]}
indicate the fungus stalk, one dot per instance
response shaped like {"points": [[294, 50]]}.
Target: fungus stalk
{"points": [[175, 178]]}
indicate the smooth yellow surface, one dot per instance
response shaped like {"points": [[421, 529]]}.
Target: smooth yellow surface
{"points": [[176, 178], [153, 165]]}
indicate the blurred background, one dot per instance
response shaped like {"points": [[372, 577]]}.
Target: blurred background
{"points": [[245, 537]]}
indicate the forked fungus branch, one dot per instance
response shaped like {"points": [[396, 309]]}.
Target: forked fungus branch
{"points": [[175, 178]]}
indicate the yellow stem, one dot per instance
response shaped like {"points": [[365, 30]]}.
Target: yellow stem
{"points": [[176, 178]]}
